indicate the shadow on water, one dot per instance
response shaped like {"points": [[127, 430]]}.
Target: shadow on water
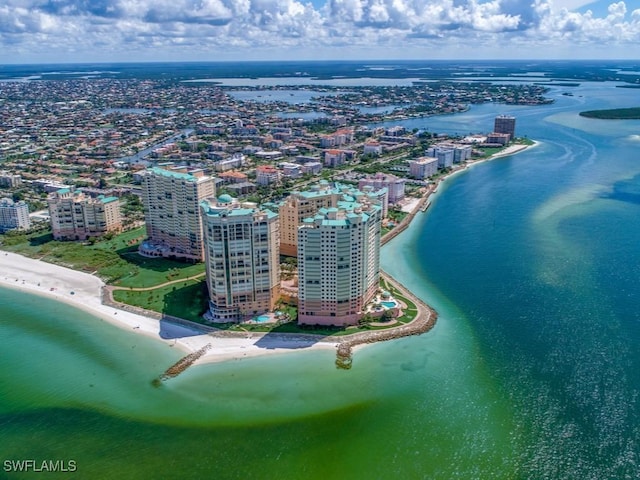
{"points": [[625, 191]]}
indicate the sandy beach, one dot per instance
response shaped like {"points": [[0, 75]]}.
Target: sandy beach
{"points": [[83, 291]]}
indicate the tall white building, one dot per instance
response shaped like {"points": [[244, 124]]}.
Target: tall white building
{"points": [[14, 215], [338, 263], [423, 167], [394, 185], [461, 153], [445, 155], [171, 198], [242, 258]]}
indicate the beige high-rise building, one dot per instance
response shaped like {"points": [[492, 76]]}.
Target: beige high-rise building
{"points": [[171, 197], [242, 258], [297, 207], [75, 216], [301, 205], [338, 263]]}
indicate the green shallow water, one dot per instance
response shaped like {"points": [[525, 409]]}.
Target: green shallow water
{"points": [[84, 393], [532, 262]]}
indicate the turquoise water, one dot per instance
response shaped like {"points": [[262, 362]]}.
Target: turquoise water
{"points": [[532, 262], [262, 318], [388, 304]]}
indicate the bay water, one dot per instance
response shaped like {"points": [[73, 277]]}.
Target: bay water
{"points": [[532, 262]]}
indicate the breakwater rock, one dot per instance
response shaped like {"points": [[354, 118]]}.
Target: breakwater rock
{"points": [[184, 363], [424, 321]]}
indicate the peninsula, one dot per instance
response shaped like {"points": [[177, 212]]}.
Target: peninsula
{"points": [[227, 215], [88, 292]]}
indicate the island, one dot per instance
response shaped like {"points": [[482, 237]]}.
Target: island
{"points": [[632, 113]]}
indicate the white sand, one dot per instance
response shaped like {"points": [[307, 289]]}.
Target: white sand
{"points": [[409, 204], [57, 282]]}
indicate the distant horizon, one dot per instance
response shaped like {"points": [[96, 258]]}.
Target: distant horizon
{"points": [[330, 60]]}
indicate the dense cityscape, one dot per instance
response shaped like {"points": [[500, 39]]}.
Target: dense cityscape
{"points": [[233, 184]]}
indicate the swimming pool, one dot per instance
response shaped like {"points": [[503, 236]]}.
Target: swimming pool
{"points": [[261, 318], [389, 304]]}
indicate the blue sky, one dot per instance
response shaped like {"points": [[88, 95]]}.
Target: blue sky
{"points": [[34, 31]]}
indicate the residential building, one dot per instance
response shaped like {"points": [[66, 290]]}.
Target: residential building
{"points": [[505, 124], [461, 152], [340, 137], [395, 131], [297, 207], [235, 161], [498, 138], [372, 148], [394, 185], [423, 167], [267, 175], [243, 188], [48, 185], [334, 158], [398, 139], [338, 263], [313, 168], [301, 205], [270, 155], [14, 215], [242, 258], [76, 216], [445, 155], [291, 170], [9, 180], [171, 197], [233, 176]]}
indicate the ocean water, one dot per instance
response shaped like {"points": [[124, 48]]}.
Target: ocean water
{"points": [[532, 262]]}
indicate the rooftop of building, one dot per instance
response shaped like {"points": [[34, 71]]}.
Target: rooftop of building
{"points": [[227, 206], [181, 175]]}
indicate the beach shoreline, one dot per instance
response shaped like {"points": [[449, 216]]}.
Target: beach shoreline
{"points": [[85, 291]]}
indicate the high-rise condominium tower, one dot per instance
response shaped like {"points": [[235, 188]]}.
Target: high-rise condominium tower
{"points": [[242, 258], [171, 197], [304, 204], [338, 263], [76, 216], [505, 124], [14, 215]]}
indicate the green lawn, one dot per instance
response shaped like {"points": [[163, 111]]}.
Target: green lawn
{"points": [[187, 300], [115, 260]]}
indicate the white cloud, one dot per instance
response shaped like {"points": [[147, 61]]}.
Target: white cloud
{"points": [[154, 28]]}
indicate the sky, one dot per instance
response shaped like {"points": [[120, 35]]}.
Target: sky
{"points": [[79, 31]]}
